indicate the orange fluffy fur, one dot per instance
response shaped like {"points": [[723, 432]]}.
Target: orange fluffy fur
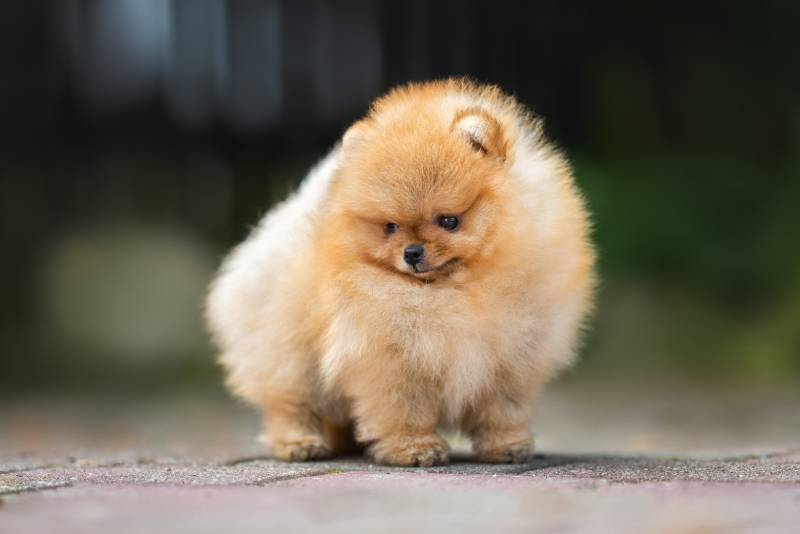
{"points": [[325, 327]]}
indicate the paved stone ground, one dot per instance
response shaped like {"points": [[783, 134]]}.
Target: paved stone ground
{"points": [[611, 461]]}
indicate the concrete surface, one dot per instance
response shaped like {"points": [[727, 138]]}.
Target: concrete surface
{"points": [[610, 461]]}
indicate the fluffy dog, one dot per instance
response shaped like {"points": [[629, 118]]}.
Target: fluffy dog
{"points": [[433, 270]]}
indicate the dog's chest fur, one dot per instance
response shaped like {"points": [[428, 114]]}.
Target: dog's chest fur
{"points": [[434, 332]]}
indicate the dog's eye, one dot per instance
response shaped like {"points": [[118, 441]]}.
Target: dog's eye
{"points": [[391, 228], [448, 222]]}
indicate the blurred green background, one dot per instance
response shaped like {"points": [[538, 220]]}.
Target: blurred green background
{"points": [[140, 139]]}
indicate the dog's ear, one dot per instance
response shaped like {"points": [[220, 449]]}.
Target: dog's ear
{"points": [[482, 131]]}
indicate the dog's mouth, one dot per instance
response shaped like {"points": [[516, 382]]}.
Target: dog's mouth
{"points": [[426, 273]]}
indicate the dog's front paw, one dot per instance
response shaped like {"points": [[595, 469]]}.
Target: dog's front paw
{"points": [[301, 450], [411, 451], [517, 452]]}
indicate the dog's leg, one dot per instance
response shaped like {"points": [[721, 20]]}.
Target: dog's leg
{"points": [[294, 431], [399, 421], [499, 428]]}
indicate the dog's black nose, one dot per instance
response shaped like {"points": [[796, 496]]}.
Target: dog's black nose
{"points": [[413, 254]]}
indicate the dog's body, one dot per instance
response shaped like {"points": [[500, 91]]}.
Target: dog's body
{"points": [[434, 269]]}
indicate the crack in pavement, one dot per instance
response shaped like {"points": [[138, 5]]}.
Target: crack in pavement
{"points": [[7, 490]]}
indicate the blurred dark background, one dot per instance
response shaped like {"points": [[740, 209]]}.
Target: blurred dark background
{"points": [[139, 140]]}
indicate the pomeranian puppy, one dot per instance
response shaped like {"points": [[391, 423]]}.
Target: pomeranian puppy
{"points": [[434, 270]]}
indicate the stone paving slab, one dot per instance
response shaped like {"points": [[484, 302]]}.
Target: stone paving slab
{"points": [[238, 472], [637, 470], [248, 472], [401, 501]]}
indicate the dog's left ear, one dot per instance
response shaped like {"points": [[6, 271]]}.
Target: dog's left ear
{"points": [[482, 131]]}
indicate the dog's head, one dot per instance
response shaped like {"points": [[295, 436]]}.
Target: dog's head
{"points": [[417, 191]]}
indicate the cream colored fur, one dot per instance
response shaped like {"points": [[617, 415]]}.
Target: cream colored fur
{"points": [[322, 326]]}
